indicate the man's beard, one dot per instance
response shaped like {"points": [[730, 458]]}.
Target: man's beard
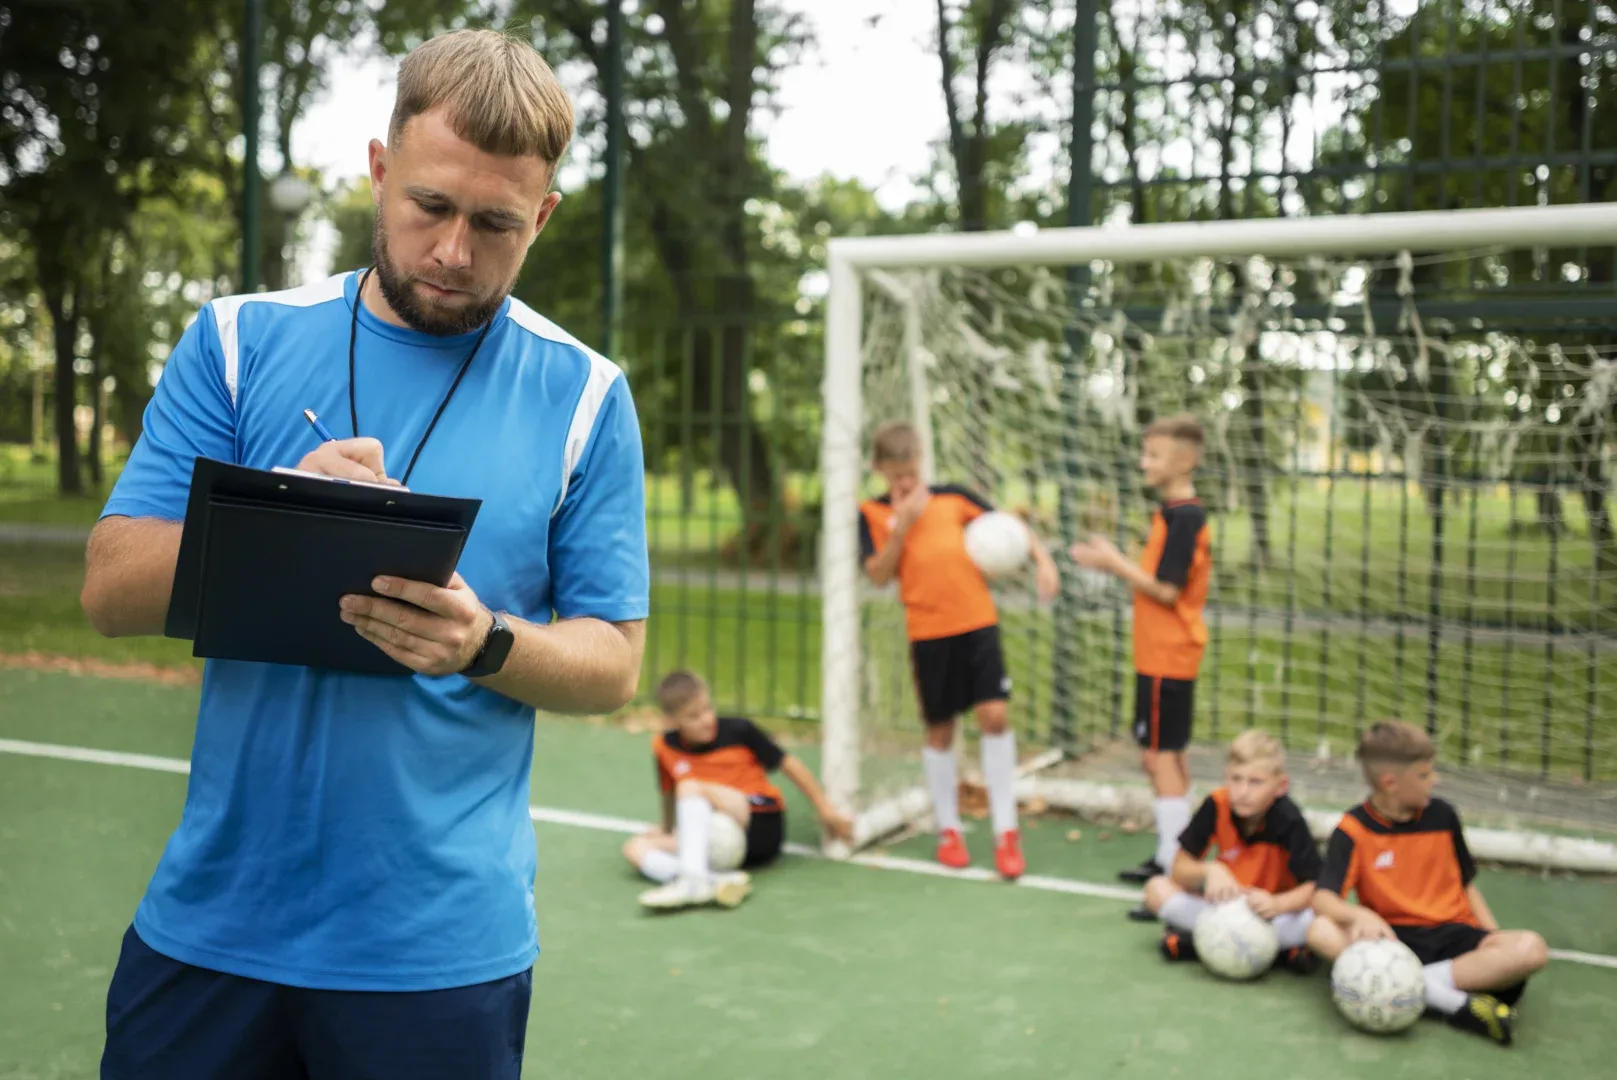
{"points": [[406, 302]]}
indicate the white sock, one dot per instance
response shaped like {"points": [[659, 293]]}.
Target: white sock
{"points": [[1441, 993], [660, 866], [692, 815], [945, 787], [1292, 928], [1181, 910], [1173, 814], [999, 772]]}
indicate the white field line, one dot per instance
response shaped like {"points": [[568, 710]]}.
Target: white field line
{"points": [[605, 823]]}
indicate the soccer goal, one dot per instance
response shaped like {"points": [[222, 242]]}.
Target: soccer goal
{"points": [[1409, 420]]}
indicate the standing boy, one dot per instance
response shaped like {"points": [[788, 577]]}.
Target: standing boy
{"points": [[916, 533], [1170, 589], [1404, 852]]}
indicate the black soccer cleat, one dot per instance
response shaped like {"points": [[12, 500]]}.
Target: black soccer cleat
{"points": [[1177, 946], [1300, 960], [1487, 1016], [1142, 914], [1139, 875]]}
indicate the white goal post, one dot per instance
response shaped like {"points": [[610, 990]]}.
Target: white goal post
{"points": [[856, 265]]}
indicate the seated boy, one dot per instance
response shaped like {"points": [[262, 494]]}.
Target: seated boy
{"points": [[709, 764], [1265, 853], [1404, 852]]}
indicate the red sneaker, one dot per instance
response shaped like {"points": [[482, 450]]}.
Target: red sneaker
{"points": [[1008, 855], [952, 850]]}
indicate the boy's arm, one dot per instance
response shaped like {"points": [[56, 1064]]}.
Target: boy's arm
{"points": [[1479, 907], [1299, 899], [836, 823], [882, 566], [1336, 880]]}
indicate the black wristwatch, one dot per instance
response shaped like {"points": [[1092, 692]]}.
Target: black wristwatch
{"points": [[496, 647]]}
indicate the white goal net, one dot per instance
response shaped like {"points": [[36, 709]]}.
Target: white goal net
{"points": [[1408, 419]]}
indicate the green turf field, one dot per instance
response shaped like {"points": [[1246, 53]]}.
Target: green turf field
{"points": [[829, 970]]}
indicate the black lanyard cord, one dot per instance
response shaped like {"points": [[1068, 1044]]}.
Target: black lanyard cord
{"points": [[353, 410]]}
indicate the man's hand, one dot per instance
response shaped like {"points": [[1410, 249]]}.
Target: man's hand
{"points": [[909, 508], [1263, 904], [1220, 885], [1368, 926], [348, 459], [840, 826], [1097, 553], [427, 629]]}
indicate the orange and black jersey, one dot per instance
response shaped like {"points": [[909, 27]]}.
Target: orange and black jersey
{"points": [[1411, 873], [943, 592], [740, 756], [1168, 641], [1275, 854]]}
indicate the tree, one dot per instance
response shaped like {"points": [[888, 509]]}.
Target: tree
{"points": [[98, 108]]}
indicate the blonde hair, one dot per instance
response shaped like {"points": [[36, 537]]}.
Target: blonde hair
{"points": [[499, 93], [678, 689], [1255, 747], [1182, 427], [1392, 745], [896, 442]]}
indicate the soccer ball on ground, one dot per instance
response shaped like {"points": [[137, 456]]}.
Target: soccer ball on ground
{"points": [[726, 843], [1235, 943], [1378, 986], [998, 543]]}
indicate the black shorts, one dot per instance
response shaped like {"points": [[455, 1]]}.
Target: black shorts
{"points": [[1162, 709], [1434, 944], [766, 832], [953, 674], [170, 1019]]}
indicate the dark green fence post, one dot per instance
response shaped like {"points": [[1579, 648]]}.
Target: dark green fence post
{"points": [[251, 46], [1064, 648]]}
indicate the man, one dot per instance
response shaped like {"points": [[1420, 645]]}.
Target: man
{"points": [[350, 890]]}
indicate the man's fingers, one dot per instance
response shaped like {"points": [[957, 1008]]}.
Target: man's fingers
{"points": [[363, 450], [420, 594]]}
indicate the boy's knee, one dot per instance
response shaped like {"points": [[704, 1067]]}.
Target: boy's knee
{"points": [[632, 849], [1531, 950], [1157, 892], [940, 736], [1326, 938], [993, 717]]}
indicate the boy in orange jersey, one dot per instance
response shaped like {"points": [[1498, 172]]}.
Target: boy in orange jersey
{"points": [[709, 764], [1170, 588], [916, 534], [1265, 854], [1404, 853]]}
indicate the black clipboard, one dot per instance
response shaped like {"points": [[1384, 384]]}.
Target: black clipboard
{"points": [[266, 555]]}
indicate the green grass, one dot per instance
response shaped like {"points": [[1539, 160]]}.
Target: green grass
{"points": [[828, 970]]}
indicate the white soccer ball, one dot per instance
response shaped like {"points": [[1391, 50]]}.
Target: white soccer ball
{"points": [[997, 542], [1378, 986], [726, 843], [1234, 943]]}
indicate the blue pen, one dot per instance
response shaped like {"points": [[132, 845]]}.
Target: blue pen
{"points": [[319, 428]]}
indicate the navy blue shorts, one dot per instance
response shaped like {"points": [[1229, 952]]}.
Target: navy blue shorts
{"points": [[167, 1020]]}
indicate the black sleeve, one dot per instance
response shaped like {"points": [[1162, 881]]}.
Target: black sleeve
{"points": [[765, 749], [1333, 875], [867, 543], [1304, 853], [1179, 548], [1199, 833], [1468, 865], [965, 493]]}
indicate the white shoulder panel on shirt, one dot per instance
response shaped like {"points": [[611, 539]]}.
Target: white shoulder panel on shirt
{"points": [[603, 373], [227, 310]]}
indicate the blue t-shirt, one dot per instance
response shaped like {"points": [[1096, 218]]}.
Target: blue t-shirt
{"points": [[361, 832]]}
